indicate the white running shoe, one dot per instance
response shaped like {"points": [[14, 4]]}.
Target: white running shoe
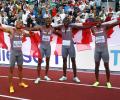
{"points": [[37, 80], [76, 79], [63, 78], [96, 84], [109, 85], [47, 78]]}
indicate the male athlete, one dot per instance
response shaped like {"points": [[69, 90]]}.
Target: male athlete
{"points": [[45, 47], [101, 49], [16, 54], [68, 48]]}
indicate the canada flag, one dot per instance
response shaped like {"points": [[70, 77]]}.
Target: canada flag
{"points": [[83, 40], [2, 42], [29, 44]]}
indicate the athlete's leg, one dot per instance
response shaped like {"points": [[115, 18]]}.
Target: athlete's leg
{"points": [[105, 57], [47, 69], [72, 55], [76, 79], [11, 75], [42, 51], [73, 65], [37, 80], [64, 56], [97, 57], [20, 74], [64, 65], [19, 60], [11, 69], [63, 78], [106, 64], [39, 67], [47, 65], [97, 64], [47, 54]]}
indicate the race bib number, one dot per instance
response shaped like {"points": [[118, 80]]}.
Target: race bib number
{"points": [[17, 44], [66, 42], [100, 39], [45, 38]]}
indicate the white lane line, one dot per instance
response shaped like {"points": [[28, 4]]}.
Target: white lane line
{"points": [[11, 97], [65, 83]]}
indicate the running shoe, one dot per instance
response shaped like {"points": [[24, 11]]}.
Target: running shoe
{"points": [[37, 80], [76, 79], [22, 84], [11, 89], [47, 78], [109, 85], [96, 84], [63, 78]]}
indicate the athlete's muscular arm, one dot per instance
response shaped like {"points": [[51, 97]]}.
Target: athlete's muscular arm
{"points": [[112, 25], [80, 26], [6, 29], [26, 33], [36, 28], [93, 31], [57, 26], [57, 31]]}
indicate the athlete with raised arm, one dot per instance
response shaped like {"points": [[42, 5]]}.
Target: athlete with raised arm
{"points": [[16, 54]]}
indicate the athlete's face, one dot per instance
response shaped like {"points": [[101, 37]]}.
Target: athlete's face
{"points": [[48, 23], [98, 22], [66, 21], [19, 24]]}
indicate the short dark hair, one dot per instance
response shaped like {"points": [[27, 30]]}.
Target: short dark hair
{"points": [[66, 20]]}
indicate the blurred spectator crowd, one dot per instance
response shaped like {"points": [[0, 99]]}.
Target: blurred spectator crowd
{"points": [[34, 13]]}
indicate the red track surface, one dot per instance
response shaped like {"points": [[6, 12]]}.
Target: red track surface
{"points": [[60, 91]]}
